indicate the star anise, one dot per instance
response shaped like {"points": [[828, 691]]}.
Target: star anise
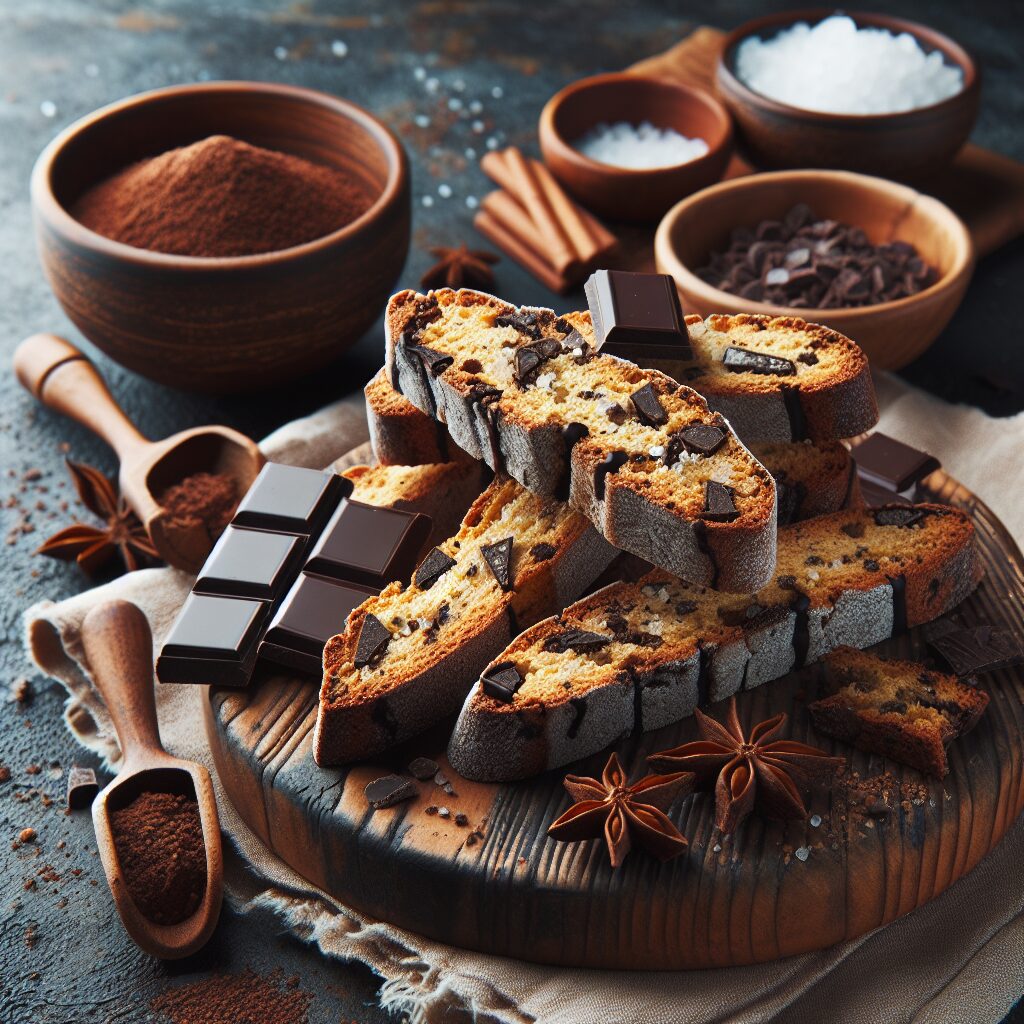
{"points": [[624, 814], [93, 546], [460, 267], [760, 772]]}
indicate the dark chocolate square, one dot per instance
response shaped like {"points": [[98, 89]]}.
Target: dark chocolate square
{"points": [[369, 545], [637, 316], [891, 464], [314, 610], [251, 563], [291, 499], [213, 640]]}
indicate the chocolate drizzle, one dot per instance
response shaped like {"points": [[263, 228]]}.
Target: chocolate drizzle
{"points": [[795, 411], [611, 463], [571, 433], [899, 603], [484, 399], [801, 630], [700, 534]]}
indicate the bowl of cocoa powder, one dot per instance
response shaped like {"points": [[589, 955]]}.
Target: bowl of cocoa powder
{"points": [[875, 260], [223, 237]]}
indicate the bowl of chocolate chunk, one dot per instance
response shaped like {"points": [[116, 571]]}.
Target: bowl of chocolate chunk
{"points": [[628, 147], [854, 91], [226, 236], [875, 260]]}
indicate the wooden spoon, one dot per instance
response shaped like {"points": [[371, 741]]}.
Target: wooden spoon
{"points": [[119, 647], [62, 378]]}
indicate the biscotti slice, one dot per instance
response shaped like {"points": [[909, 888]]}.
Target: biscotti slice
{"points": [[811, 478], [641, 456], [898, 709], [638, 656], [443, 491], [408, 657]]}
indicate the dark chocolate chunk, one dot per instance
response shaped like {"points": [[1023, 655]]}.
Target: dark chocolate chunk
{"points": [[907, 516], [423, 768], [563, 326], [250, 563], [579, 640], [611, 463], [874, 496], [432, 568], [702, 438], [389, 790], [369, 545], [82, 788], [527, 362], [436, 362], [742, 360], [891, 464], [501, 681], [648, 407], [374, 636], [542, 552], [499, 560], [637, 316], [290, 499], [616, 413], [977, 649], [718, 504], [314, 610], [524, 323]]}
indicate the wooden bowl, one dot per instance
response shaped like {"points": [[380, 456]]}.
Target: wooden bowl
{"points": [[617, 192], [233, 324], [907, 145], [891, 333]]}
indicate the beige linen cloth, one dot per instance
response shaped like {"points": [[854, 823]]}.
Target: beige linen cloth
{"points": [[959, 958]]}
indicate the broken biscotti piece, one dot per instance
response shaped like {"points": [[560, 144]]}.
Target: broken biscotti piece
{"points": [[408, 657], [638, 656], [898, 709], [641, 456]]}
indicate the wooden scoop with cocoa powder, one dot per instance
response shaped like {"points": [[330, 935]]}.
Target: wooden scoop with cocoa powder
{"points": [[156, 824], [183, 488]]}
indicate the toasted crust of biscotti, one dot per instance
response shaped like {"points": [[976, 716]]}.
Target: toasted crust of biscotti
{"points": [[854, 577], [446, 629], [899, 709], [617, 473]]}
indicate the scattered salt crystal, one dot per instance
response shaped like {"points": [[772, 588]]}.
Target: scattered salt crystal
{"points": [[455, 103], [281, 52], [777, 275], [656, 451], [470, 153], [420, 74], [802, 853], [839, 68], [478, 127], [639, 147], [459, 85], [493, 143], [545, 380], [813, 574], [432, 85], [815, 820], [578, 353], [443, 812], [48, 108], [475, 107], [444, 191], [339, 48], [717, 848], [656, 627], [472, 202], [663, 595], [421, 121], [427, 200], [497, 92]]}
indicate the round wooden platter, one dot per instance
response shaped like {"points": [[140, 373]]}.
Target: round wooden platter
{"points": [[499, 885]]}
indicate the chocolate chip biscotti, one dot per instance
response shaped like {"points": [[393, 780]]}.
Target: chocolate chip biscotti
{"points": [[657, 472], [407, 658], [638, 656]]}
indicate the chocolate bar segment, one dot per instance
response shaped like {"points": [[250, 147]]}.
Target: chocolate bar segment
{"points": [[251, 563], [637, 316], [290, 499], [213, 640], [314, 610], [368, 545], [891, 464]]}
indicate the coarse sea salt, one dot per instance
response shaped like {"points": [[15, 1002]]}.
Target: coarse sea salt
{"points": [[638, 147], [837, 68]]}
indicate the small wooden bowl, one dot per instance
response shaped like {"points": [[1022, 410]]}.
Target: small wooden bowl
{"points": [[617, 192], [908, 145], [891, 333], [234, 324]]}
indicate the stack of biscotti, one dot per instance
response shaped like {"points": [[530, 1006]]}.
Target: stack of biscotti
{"points": [[657, 472], [899, 709], [812, 478], [637, 656], [407, 658]]}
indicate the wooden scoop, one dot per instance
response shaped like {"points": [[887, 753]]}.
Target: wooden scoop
{"points": [[119, 647], [61, 377]]}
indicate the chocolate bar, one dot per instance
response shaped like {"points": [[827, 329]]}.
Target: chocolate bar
{"points": [[297, 557], [637, 316], [890, 464]]}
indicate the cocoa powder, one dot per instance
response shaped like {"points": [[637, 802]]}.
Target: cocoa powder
{"points": [[221, 197], [159, 842], [235, 999], [207, 498]]}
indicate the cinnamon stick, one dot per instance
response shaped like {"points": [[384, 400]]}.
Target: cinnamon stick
{"points": [[588, 237], [525, 255]]}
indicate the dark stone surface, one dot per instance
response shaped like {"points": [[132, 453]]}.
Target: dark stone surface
{"points": [[65, 957]]}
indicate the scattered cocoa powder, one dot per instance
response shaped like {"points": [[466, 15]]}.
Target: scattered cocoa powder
{"points": [[207, 498], [159, 842], [221, 197], [234, 998]]}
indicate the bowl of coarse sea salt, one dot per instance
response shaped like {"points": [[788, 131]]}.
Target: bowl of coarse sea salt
{"points": [[629, 147], [859, 92]]}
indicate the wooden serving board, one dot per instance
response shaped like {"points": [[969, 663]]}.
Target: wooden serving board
{"points": [[511, 890]]}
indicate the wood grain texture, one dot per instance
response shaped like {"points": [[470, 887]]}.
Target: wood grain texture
{"points": [[728, 901]]}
